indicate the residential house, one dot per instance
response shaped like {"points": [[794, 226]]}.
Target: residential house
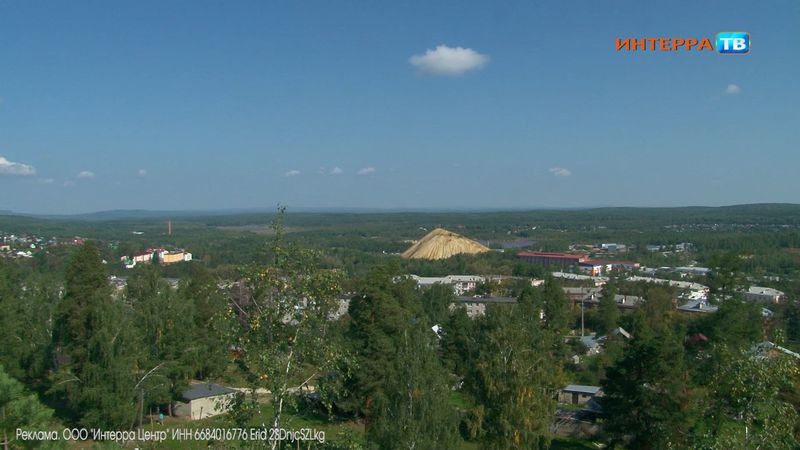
{"points": [[699, 305], [461, 283], [601, 267], [595, 345], [687, 285], [764, 295], [591, 296], [205, 400], [598, 281], [576, 394], [476, 306]]}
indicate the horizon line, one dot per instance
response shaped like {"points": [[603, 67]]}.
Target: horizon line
{"points": [[361, 210]]}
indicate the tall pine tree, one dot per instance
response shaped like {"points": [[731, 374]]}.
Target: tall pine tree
{"points": [[96, 349], [646, 398], [608, 314], [166, 325]]}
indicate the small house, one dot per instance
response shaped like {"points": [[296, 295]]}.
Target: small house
{"points": [[577, 394], [205, 400]]}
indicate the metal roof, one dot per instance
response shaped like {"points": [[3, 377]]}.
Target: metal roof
{"points": [[593, 390], [477, 299], [553, 255], [700, 305], [763, 291], [204, 390], [589, 342]]}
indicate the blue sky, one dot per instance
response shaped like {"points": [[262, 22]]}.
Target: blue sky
{"points": [[209, 104]]}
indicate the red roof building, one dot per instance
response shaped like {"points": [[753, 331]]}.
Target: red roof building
{"points": [[552, 258]]}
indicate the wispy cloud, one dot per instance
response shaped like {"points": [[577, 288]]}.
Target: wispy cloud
{"points": [[46, 180], [141, 173], [733, 89], [86, 174], [15, 169], [69, 183], [292, 173], [560, 171], [366, 171], [444, 60], [337, 171]]}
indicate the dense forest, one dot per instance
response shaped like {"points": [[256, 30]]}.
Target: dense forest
{"points": [[399, 368]]}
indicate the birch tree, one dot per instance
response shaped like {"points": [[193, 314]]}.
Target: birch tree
{"points": [[281, 311]]}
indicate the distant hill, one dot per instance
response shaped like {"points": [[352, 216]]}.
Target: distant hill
{"points": [[619, 217]]}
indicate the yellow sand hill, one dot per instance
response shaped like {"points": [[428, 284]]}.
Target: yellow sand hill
{"points": [[442, 244]]}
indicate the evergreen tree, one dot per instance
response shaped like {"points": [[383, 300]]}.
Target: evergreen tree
{"points": [[727, 275], [412, 409], [608, 313], [27, 301], [792, 321], [201, 294], [96, 347], [458, 344], [554, 305], [19, 409], [166, 325], [656, 315], [646, 393], [436, 301], [736, 323], [377, 319]]}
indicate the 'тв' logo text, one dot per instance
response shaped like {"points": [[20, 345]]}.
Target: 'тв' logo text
{"points": [[726, 42]]}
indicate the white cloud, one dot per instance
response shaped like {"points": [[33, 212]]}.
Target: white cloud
{"points": [[46, 180], [86, 174], [292, 173], [560, 171], [446, 60], [337, 171], [141, 172], [69, 183], [14, 168], [733, 89], [366, 171]]}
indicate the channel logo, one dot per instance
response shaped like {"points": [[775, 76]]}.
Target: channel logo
{"points": [[726, 43], [733, 42]]}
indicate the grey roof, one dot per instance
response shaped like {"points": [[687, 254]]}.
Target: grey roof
{"points": [[204, 390], [698, 306], [505, 300], [581, 290], [589, 342], [622, 331], [764, 291], [582, 389], [627, 301], [762, 349]]}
